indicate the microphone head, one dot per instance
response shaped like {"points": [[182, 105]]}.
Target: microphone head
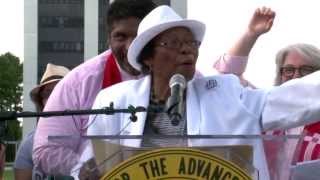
{"points": [[177, 79]]}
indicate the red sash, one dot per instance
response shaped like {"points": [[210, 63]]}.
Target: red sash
{"points": [[309, 149], [111, 73]]}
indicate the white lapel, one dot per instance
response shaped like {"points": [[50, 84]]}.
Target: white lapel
{"points": [[139, 97], [193, 109]]}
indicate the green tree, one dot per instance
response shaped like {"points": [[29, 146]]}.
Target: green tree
{"points": [[11, 76]]}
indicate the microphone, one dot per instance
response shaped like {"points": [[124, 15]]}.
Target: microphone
{"points": [[174, 105]]}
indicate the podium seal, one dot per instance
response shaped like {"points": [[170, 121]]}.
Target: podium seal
{"points": [[177, 164]]}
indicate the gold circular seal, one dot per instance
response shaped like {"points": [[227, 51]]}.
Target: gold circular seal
{"points": [[178, 164]]}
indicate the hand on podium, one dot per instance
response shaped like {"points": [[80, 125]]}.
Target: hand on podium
{"points": [[89, 170]]}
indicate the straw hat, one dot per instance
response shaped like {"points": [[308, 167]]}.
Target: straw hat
{"points": [[52, 74], [157, 21]]}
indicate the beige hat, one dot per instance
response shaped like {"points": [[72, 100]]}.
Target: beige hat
{"points": [[157, 21], [52, 74]]}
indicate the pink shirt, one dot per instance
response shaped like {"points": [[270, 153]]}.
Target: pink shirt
{"points": [[76, 91], [228, 64]]}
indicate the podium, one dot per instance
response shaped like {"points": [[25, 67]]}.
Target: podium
{"points": [[179, 157]]}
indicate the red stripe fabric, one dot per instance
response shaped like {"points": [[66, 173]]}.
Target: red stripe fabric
{"points": [[310, 147], [111, 73]]}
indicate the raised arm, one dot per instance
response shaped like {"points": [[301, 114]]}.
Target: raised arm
{"points": [[260, 23], [293, 103], [236, 58]]}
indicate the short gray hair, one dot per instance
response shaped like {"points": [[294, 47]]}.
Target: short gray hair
{"points": [[307, 51]]}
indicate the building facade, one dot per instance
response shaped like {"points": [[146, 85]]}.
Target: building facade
{"points": [[64, 32]]}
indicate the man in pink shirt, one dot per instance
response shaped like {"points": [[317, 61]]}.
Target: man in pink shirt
{"points": [[80, 87]]}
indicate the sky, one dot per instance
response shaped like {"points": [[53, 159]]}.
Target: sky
{"points": [[12, 26]]}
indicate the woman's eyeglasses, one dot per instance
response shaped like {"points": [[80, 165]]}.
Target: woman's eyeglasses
{"points": [[176, 44], [289, 71]]}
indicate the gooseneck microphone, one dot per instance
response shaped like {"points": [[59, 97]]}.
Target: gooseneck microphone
{"points": [[174, 105]]}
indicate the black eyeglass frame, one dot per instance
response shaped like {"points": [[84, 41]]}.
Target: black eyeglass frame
{"points": [[289, 71], [176, 44]]}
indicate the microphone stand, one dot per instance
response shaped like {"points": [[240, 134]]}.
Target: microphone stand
{"points": [[10, 115]]}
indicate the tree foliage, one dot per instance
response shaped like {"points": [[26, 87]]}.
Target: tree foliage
{"points": [[11, 76]]}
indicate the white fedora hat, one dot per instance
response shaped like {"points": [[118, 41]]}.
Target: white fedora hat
{"points": [[157, 21]]}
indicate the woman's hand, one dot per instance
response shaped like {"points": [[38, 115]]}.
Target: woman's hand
{"points": [[261, 21], [89, 170]]}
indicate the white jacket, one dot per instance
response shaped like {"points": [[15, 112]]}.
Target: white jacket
{"points": [[217, 105]]}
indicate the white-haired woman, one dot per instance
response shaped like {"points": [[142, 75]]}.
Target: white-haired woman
{"points": [[293, 61]]}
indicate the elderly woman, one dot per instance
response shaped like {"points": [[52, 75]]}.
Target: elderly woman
{"points": [[167, 45]]}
